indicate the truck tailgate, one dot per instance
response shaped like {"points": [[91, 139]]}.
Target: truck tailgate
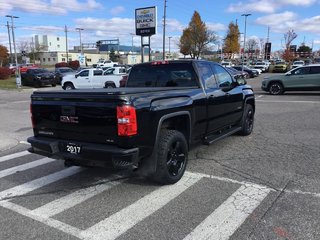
{"points": [[68, 116]]}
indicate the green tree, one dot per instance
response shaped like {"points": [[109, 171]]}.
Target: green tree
{"points": [[304, 48], [196, 37], [231, 42], [4, 55]]}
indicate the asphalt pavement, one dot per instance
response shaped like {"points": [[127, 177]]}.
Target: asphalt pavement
{"points": [[263, 186]]}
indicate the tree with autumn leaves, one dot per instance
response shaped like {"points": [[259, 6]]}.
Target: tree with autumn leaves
{"points": [[4, 55], [196, 37], [231, 42]]}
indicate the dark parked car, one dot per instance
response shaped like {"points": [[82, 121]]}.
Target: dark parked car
{"points": [[38, 77], [61, 72], [252, 72], [237, 74]]}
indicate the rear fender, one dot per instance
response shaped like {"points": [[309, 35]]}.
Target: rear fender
{"points": [[149, 165]]}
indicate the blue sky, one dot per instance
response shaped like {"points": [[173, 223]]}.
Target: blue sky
{"points": [[115, 19]]}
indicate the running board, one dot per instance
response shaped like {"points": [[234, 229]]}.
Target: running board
{"points": [[215, 137]]}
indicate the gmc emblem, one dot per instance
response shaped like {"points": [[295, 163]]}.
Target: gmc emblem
{"points": [[69, 119]]}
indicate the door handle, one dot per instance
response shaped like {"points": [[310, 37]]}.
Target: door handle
{"points": [[86, 78]]}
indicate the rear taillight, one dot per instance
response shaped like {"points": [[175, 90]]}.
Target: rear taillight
{"points": [[32, 119], [127, 121]]}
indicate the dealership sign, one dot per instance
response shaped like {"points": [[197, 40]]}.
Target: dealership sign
{"points": [[146, 21]]}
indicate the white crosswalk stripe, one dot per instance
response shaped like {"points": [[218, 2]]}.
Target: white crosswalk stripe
{"points": [[38, 183], [120, 222], [24, 167], [220, 224], [14, 155], [74, 199], [226, 219]]}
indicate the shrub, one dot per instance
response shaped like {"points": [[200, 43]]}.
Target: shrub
{"points": [[5, 73], [61, 64], [74, 64]]}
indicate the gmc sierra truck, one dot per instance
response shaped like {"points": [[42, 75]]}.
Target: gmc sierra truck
{"points": [[165, 109]]}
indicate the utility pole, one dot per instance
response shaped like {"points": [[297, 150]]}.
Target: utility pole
{"points": [[66, 31], [11, 56], [81, 50], [245, 32], [164, 30], [33, 49], [169, 46], [18, 77]]}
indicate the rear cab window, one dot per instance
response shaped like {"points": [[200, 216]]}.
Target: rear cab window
{"points": [[163, 75]]}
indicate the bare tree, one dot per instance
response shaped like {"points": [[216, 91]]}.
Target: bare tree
{"points": [[252, 45], [262, 45], [23, 46], [288, 38]]}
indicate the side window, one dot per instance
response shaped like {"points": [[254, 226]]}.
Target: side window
{"points": [[84, 73], [109, 71], [97, 73], [224, 79], [300, 71], [315, 70], [206, 75]]}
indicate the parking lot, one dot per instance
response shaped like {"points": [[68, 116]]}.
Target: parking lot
{"points": [[265, 186]]}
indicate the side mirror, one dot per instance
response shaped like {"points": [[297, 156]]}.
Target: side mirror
{"points": [[76, 75], [241, 81], [288, 74]]}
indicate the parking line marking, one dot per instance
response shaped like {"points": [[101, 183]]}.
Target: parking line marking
{"points": [[14, 155], [229, 180], [73, 199], [38, 183], [229, 216], [10, 171], [120, 222]]}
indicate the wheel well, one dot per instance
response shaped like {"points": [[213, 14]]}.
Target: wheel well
{"points": [[251, 102], [180, 123]]}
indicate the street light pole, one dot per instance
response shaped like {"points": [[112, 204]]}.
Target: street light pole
{"points": [[245, 32], [18, 79], [132, 34], [170, 46]]}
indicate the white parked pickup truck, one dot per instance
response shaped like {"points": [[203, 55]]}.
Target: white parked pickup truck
{"points": [[93, 78]]}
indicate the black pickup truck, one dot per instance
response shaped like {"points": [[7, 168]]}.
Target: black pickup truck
{"points": [[166, 108]]}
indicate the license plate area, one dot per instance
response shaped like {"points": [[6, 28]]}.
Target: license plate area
{"points": [[73, 148]]}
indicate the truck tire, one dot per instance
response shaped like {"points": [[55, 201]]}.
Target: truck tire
{"points": [[247, 121], [172, 156], [68, 86], [109, 85]]}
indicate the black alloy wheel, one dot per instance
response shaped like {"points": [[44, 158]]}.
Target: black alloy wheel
{"points": [[172, 157], [276, 88], [176, 159]]}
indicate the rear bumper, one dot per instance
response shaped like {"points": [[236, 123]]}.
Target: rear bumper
{"points": [[91, 154]]}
